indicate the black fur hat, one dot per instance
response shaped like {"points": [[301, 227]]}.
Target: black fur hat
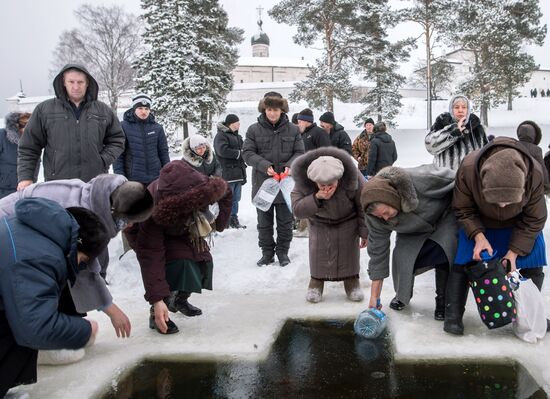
{"points": [[131, 201], [273, 99], [93, 236]]}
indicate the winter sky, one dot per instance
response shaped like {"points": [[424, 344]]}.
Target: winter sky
{"points": [[30, 30]]}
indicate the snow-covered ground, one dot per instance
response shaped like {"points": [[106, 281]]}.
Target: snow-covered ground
{"points": [[249, 304]]}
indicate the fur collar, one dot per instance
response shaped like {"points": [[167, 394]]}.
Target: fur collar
{"points": [[403, 184], [192, 157], [12, 127], [299, 169]]}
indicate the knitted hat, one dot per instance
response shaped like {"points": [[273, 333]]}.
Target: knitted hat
{"points": [[141, 100], [379, 189], [197, 140], [325, 170], [131, 201], [328, 117], [93, 236], [306, 115], [369, 120], [230, 119], [503, 177]]}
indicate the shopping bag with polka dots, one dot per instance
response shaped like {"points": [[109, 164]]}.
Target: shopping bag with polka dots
{"points": [[494, 298]]}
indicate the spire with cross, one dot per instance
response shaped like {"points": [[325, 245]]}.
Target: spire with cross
{"points": [[260, 22]]}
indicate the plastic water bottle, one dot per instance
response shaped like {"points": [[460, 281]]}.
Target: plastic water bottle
{"points": [[370, 323], [266, 194]]}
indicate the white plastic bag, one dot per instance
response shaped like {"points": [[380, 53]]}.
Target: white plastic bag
{"points": [[287, 185], [266, 194], [530, 323]]}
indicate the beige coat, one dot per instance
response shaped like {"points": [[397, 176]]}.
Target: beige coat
{"points": [[335, 224]]}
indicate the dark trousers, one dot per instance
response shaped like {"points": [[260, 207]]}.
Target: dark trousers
{"points": [[17, 363], [284, 229]]}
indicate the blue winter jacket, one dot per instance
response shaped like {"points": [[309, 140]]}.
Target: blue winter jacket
{"points": [[37, 257], [146, 150]]}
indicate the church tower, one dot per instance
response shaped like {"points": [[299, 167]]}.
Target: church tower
{"points": [[260, 41]]}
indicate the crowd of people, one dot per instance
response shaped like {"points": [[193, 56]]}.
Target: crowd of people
{"points": [[479, 194]]}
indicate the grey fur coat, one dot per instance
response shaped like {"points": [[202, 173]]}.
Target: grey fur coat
{"points": [[426, 193]]}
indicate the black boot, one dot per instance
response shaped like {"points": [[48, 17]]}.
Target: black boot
{"points": [[441, 277], [283, 258], [182, 305], [172, 328], [266, 259], [396, 304], [456, 296]]}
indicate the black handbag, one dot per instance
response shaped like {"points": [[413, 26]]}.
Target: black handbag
{"points": [[494, 298]]}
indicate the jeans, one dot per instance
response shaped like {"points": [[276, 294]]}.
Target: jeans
{"points": [[236, 188]]}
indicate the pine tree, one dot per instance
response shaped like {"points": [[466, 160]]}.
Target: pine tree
{"points": [[494, 31], [330, 22], [188, 62], [378, 60], [431, 16]]}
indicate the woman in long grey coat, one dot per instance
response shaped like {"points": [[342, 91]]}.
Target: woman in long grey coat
{"points": [[416, 204], [327, 192]]}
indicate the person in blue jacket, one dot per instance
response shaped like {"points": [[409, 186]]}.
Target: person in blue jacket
{"points": [[42, 248], [146, 149]]}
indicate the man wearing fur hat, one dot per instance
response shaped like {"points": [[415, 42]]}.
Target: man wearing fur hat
{"points": [[117, 202], [339, 138], [327, 193], [15, 122], [146, 149], [500, 207], [270, 147], [41, 247], [415, 204], [228, 144], [198, 153], [81, 136], [455, 134]]}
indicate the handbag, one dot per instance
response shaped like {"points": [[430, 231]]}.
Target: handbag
{"points": [[494, 298], [530, 324]]}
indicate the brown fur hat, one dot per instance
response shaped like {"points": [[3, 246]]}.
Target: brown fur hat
{"points": [[273, 99]]}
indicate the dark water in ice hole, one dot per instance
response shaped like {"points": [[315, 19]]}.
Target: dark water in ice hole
{"points": [[326, 360]]}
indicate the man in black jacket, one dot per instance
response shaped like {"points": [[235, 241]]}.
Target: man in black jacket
{"points": [[80, 135], [313, 136], [270, 147], [338, 136]]}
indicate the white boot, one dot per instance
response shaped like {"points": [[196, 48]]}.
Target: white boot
{"points": [[314, 295], [61, 356]]}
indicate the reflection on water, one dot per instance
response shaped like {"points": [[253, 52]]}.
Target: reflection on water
{"points": [[326, 360]]}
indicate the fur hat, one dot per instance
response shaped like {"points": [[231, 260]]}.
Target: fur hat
{"points": [[529, 131], [230, 119], [141, 100], [131, 201], [325, 170], [369, 120], [503, 177], [328, 117], [273, 99], [306, 115], [93, 236], [392, 186], [197, 140]]}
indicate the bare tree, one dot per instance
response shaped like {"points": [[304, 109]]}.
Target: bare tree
{"points": [[107, 43]]}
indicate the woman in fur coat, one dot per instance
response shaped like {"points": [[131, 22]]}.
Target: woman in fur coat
{"points": [[416, 204], [171, 245], [327, 193], [9, 140], [198, 153]]}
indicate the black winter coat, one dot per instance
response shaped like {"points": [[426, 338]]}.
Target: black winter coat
{"points": [[8, 164], [340, 139], [228, 146], [382, 153], [315, 137], [146, 150], [271, 145], [73, 148]]}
